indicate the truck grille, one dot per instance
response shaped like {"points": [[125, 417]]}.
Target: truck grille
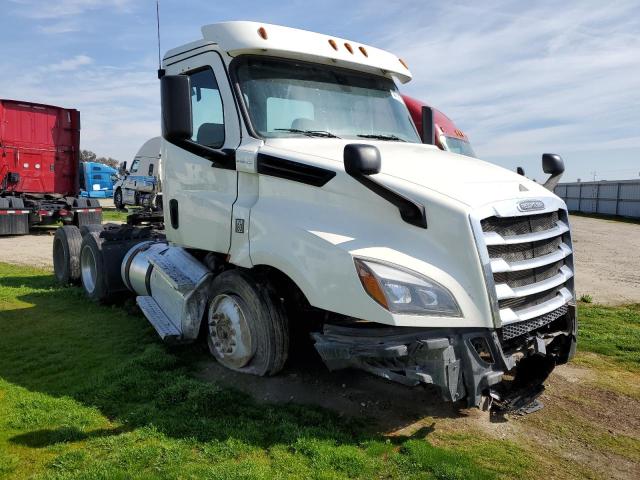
{"points": [[531, 265]]}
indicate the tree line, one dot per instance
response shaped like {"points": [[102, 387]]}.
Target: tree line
{"points": [[89, 156]]}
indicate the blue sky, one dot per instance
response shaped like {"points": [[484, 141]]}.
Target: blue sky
{"points": [[521, 78]]}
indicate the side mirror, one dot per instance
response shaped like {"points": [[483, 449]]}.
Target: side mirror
{"points": [[520, 171], [428, 126], [361, 159], [554, 166], [175, 94]]}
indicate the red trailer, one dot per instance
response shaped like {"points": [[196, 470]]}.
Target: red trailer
{"points": [[39, 167]]}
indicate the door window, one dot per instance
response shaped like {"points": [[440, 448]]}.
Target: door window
{"points": [[134, 165], [206, 108]]}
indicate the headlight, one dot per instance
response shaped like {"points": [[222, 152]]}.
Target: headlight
{"points": [[403, 291]]}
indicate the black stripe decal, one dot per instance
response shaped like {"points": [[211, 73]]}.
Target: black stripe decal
{"points": [[290, 170]]}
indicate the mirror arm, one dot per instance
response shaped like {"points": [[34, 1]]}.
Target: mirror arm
{"points": [[219, 158], [411, 212], [552, 181]]}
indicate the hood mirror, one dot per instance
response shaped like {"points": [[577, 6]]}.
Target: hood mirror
{"points": [[554, 166], [520, 171], [361, 159]]}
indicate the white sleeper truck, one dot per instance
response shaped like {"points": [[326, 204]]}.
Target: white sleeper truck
{"points": [[297, 195], [140, 184]]}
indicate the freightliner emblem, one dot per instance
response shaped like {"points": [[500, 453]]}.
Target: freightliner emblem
{"points": [[530, 205]]}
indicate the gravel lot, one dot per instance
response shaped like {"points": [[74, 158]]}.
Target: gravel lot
{"points": [[607, 260]]}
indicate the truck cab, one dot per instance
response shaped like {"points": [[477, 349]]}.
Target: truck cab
{"points": [[96, 180], [139, 185], [298, 193], [446, 135]]}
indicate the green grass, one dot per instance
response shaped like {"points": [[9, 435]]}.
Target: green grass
{"points": [[114, 216], [611, 331], [88, 392]]}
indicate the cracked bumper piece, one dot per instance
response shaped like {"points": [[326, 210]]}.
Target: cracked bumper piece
{"points": [[461, 362]]}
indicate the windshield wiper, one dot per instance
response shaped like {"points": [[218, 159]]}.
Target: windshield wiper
{"points": [[383, 137], [310, 133]]}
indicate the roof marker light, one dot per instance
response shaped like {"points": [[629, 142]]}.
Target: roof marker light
{"points": [[263, 33], [403, 63], [364, 51], [333, 43], [349, 47]]}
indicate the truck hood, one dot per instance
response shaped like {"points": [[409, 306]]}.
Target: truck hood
{"points": [[468, 180]]}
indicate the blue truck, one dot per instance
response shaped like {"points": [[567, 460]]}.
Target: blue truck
{"points": [[96, 180]]}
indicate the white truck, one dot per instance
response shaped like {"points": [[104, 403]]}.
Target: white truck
{"points": [[298, 195], [140, 184]]}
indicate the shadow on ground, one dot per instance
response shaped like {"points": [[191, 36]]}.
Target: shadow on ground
{"points": [[57, 343]]}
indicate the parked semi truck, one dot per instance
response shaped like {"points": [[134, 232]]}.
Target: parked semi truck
{"points": [[298, 195], [437, 129], [140, 185], [96, 180], [39, 162]]}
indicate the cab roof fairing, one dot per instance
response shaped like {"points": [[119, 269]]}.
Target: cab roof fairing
{"points": [[240, 37]]}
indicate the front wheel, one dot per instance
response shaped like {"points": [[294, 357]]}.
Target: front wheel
{"points": [[247, 326], [117, 199]]}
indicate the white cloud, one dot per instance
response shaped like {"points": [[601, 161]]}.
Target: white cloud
{"points": [[522, 78], [69, 64], [38, 9], [119, 106]]}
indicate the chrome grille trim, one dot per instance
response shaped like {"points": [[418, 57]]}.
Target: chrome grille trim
{"points": [[509, 315], [500, 265], [527, 260], [504, 291], [494, 238]]}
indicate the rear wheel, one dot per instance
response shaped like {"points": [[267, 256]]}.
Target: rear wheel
{"points": [[92, 270], [247, 326], [66, 254]]}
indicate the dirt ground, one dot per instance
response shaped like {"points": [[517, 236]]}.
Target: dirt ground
{"points": [[583, 430], [607, 263], [607, 259]]}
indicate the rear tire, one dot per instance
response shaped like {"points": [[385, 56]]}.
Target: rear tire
{"points": [[92, 271], [66, 254], [92, 227], [247, 328]]}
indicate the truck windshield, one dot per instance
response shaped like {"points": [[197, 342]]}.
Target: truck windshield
{"points": [[286, 98], [456, 145]]}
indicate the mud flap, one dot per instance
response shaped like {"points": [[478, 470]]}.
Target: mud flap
{"points": [[14, 223]]}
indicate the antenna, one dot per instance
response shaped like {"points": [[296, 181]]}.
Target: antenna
{"points": [[160, 69]]}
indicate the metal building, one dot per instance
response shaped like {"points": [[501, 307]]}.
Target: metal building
{"points": [[620, 197]]}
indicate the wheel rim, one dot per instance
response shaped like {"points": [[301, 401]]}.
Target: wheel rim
{"points": [[229, 335], [58, 258], [118, 201], [88, 269]]}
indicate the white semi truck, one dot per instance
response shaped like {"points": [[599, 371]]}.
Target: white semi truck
{"points": [[140, 186], [297, 194]]}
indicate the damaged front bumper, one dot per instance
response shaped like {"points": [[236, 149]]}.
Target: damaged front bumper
{"points": [[463, 363]]}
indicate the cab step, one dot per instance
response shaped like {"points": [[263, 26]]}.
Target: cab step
{"points": [[165, 327]]}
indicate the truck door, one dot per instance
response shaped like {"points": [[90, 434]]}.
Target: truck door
{"points": [[199, 193]]}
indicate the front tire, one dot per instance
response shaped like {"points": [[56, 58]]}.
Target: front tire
{"points": [[117, 199], [247, 328]]}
